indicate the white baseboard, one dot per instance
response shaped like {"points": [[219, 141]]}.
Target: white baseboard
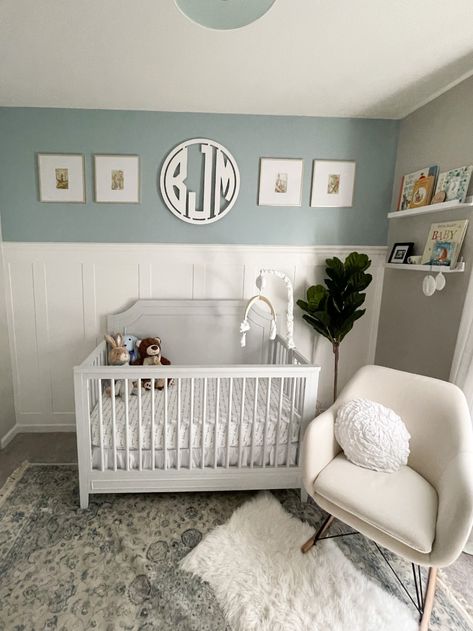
{"points": [[47, 427], [34, 429], [8, 437]]}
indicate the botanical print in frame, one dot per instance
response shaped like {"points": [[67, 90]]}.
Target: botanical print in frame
{"points": [[61, 177], [333, 183], [280, 182], [117, 179]]}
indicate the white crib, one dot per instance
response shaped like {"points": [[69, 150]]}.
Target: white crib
{"points": [[234, 423]]}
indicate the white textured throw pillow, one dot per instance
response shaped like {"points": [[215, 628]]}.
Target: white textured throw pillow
{"points": [[372, 436]]}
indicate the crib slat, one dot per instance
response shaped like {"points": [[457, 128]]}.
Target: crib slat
{"points": [[266, 420], [242, 416], [278, 427], [178, 433], [274, 359], [230, 401], [191, 422], [301, 408], [90, 396], [114, 425], [127, 427], [217, 412], [165, 434], [253, 429], [291, 420], [102, 460], [153, 420], [204, 415], [140, 462]]}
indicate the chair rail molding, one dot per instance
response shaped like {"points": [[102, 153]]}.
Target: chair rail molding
{"points": [[59, 294]]}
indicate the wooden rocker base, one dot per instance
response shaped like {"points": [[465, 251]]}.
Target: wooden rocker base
{"points": [[424, 603], [429, 599], [320, 532]]}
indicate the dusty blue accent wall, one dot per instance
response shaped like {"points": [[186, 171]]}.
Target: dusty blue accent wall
{"points": [[25, 131]]}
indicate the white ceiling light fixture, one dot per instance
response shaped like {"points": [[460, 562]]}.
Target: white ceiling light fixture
{"points": [[224, 14]]}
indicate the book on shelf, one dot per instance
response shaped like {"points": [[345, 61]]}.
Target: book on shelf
{"points": [[408, 183], [444, 243], [455, 183]]}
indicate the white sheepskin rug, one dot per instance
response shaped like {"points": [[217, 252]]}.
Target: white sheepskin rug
{"points": [[263, 581]]}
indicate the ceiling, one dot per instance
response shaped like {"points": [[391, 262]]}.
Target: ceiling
{"points": [[367, 58]]}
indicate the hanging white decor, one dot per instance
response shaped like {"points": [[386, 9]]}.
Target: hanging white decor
{"points": [[218, 173], [260, 284]]}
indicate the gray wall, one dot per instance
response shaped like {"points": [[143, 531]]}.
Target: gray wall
{"points": [[151, 135], [418, 333], [7, 409]]}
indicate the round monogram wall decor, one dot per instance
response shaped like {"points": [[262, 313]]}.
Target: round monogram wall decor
{"points": [[200, 181]]}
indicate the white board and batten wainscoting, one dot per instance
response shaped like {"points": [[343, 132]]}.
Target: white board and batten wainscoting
{"points": [[59, 295]]}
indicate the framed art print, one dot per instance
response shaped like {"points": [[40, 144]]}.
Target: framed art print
{"points": [[280, 182], [333, 183], [61, 177], [117, 179]]}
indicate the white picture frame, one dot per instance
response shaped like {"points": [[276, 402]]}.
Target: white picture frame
{"points": [[61, 177], [280, 182], [117, 179], [333, 183]]}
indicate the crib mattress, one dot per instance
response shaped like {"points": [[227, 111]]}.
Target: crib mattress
{"points": [[266, 418]]}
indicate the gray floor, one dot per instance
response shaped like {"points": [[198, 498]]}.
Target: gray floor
{"points": [[61, 448], [52, 447]]}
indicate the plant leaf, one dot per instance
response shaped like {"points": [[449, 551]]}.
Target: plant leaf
{"points": [[315, 324], [356, 262], [316, 294]]}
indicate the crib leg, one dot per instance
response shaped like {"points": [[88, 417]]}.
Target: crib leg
{"points": [[84, 499], [304, 495], [84, 493]]}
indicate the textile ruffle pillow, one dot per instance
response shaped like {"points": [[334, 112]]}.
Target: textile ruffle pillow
{"points": [[372, 436]]}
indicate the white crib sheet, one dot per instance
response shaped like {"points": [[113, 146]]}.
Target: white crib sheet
{"points": [[279, 424]]}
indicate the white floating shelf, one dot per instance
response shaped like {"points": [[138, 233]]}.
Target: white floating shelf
{"points": [[433, 208], [434, 269]]}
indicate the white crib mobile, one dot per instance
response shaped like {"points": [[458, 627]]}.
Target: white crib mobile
{"points": [[234, 423]]}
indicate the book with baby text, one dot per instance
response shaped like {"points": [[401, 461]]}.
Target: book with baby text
{"points": [[444, 243]]}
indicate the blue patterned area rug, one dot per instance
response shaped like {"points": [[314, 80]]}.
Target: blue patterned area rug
{"points": [[115, 566]]}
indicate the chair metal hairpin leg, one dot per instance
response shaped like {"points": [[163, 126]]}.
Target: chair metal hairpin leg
{"points": [[319, 533]]}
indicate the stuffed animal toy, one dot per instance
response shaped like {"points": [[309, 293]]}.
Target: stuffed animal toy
{"points": [[118, 355], [129, 341], [149, 354]]}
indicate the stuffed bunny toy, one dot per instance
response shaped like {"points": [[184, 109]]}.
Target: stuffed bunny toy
{"points": [[118, 355]]}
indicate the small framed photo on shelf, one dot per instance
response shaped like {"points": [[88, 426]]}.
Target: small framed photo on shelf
{"points": [[117, 179], [61, 177], [333, 183], [400, 252], [280, 182]]}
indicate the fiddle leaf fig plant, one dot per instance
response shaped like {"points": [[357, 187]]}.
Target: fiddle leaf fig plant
{"points": [[333, 308]]}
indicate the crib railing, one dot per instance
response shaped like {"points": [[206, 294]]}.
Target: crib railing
{"points": [[185, 420]]}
